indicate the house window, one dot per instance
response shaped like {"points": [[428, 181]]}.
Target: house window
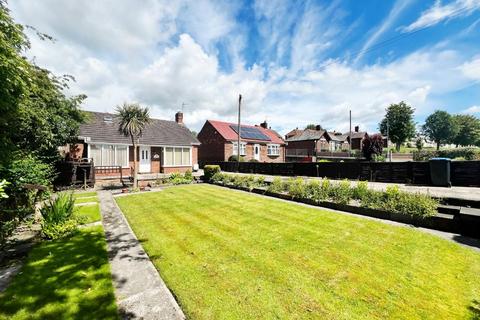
{"points": [[177, 156], [273, 149], [109, 155], [243, 148]]}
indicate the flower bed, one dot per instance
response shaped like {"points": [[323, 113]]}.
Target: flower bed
{"points": [[392, 204]]}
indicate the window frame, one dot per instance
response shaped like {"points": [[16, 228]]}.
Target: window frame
{"points": [[273, 146], [101, 150], [174, 165], [243, 148]]}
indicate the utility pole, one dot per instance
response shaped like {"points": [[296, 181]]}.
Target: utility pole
{"points": [[238, 129], [350, 136]]}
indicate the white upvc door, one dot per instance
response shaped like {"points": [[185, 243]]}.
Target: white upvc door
{"points": [[256, 152], [145, 155]]}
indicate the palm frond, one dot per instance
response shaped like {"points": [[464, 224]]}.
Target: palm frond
{"points": [[132, 119]]}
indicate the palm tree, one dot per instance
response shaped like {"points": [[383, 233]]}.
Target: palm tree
{"points": [[133, 119]]}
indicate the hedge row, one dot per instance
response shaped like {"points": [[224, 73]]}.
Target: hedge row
{"points": [[391, 200], [459, 154]]}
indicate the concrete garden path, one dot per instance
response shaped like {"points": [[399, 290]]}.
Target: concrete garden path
{"points": [[139, 290]]}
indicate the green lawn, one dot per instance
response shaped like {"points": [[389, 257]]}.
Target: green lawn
{"points": [[233, 255], [87, 213], [84, 194], [87, 199], [63, 279]]}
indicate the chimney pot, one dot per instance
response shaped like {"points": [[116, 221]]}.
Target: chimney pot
{"points": [[357, 128], [179, 117], [264, 125]]}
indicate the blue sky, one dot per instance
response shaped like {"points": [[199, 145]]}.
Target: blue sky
{"points": [[295, 62]]}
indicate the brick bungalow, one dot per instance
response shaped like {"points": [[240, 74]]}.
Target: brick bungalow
{"points": [[302, 145], [219, 142], [164, 147]]}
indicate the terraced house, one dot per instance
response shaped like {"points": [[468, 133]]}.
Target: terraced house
{"points": [[257, 143], [165, 146]]}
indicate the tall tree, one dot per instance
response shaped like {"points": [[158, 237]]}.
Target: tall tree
{"points": [[399, 123], [133, 119], [440, 127], [468, 127], [312, 126]]}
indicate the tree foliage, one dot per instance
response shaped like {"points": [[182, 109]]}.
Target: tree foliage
{"points": [[440, 127], [400, 124], [372, 146], [31, 100], [313, 126], [468, 130], [133, 119]]}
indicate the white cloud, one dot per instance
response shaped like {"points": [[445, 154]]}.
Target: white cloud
{"points": [[438, 13], [172, 68], [471, 69], [472, 110]]}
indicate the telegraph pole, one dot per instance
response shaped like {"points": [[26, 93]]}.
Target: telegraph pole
{"points": [[238, 130], [350, 136]]}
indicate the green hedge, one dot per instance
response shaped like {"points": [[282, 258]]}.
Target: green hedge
{"points": [[459, 153], [209, 171], [391, 200]]}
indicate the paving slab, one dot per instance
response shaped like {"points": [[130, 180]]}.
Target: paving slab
{"points": [[139, 289]]}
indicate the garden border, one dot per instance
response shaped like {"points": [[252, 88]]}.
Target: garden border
{"points": [[454, 224]]}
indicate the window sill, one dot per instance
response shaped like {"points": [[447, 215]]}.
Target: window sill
{"points": [[176, 166]]}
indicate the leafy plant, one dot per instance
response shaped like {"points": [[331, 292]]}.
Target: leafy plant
{"points": [[360, 191], [313, 190], [341, 192], [209, 171], [234, 158], [57, 216], [177, 178], [296, 187], [276, 186], [440, 127], [399, 124]]}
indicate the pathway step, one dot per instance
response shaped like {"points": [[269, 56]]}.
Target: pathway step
{"points": [[448, 209]]}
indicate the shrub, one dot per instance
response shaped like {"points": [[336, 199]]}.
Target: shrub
{"points": [[276, 186], [234, 158], [412, 204], [296, 187], [465, 153], [313, 190], [188, 175], [360, 190], [57, 219], [178, 178], [341, 192], [372, 199], [253, 160], [218, 177], [372, 145], [260, 181], [209, 171]]}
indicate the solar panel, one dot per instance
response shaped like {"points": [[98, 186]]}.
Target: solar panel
{"points": [[250, 133]]}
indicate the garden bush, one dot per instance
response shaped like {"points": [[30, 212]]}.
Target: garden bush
{"points": [[57, 216], [465, 153], [178, 178], [209, 171], [341, 192], [276, 186], [391, 200], [234, 158], [296, 188], [20, 202]]}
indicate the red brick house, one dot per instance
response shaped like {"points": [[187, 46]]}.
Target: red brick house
{"points": [[164, 147], [219, 142]]}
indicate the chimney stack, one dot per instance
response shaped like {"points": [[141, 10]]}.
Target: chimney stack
{"points": [[318, 127], [179, 117], [357, 128], [264, 124]]}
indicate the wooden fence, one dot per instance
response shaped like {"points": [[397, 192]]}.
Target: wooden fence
{"points": [[463, 173]]}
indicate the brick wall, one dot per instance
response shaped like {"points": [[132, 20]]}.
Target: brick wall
{"points": [[212, 146]]}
